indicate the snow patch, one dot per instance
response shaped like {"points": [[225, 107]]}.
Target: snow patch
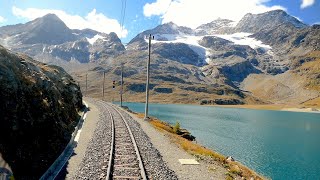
{"points": [[244, 39], [204, 53], [191, 41], [95, 38]]}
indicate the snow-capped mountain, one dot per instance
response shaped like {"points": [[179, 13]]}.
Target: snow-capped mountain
{"points": [[218, 26], [221, 53], [49, 38], [253, 23]]}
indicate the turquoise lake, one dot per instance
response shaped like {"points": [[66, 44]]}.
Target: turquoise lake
{"points": [[276, 144]]}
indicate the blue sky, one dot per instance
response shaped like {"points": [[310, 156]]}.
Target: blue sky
{"points": [[104, 15]]}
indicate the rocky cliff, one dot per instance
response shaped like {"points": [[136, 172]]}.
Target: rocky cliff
{"points": [[39, 111]]}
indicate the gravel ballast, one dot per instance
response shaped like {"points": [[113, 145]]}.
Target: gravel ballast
{"points": [[95, 160]]}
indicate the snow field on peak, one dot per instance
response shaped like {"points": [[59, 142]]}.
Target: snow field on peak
{"points": [[193, 42], [244, 39], [94, 39]]}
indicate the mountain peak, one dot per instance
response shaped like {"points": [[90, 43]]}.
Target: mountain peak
{"points": [[215, 26], [278, 11], [171, 28], [51, 16], [253, 23], [48, 20], [49, 29], [172, 24], [168, 25]]}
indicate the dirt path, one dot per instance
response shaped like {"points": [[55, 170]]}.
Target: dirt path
{"points": [[86, 133]]}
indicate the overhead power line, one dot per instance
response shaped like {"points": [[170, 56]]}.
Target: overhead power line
{"points": [[123, 15]]}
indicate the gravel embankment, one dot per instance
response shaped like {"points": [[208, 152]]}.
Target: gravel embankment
{"points": [[95, 160], [155, 166]]}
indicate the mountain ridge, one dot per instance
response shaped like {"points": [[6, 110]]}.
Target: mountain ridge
{"points": [[219, 53]]}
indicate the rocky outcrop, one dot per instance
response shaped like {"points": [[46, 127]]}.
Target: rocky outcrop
{"points": [[169, 78], [307, 38], [238, 71], [222, 102], [254, 23], [167, 28], [218, 26], [139, 87], [179, 52], [39, 111], [163, 90]]}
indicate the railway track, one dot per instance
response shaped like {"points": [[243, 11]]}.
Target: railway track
{"points": [[124, 158], [112, 152]]}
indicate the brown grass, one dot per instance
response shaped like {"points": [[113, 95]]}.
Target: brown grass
{"points": [[312, 71], [313, 103]]}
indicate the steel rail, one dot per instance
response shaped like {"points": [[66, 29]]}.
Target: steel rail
{"points": [[141, 166]]}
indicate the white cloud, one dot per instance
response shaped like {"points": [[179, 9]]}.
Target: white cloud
{"points": [[93, 20], [306, 3], [193, 13], [2, 19], [157, 8], [298, 18]]}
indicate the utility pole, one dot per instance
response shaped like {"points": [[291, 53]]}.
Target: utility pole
{"points": [[147, 85], [104, 78], [121, 89]]}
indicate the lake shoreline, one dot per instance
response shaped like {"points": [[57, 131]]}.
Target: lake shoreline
{"points": [[234, 169], [258, 138], [271, 107]]}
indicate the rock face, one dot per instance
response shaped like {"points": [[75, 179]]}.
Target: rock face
{"points": [[163, 90], [254, 23], [39, 111], [222, 102], [49, 38], [48, 29], [177, 52], [218, 26]]}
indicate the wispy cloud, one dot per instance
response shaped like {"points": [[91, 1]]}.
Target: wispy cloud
{"points": [[204, 11], [306, 3], [93, 20], [2, 19]]}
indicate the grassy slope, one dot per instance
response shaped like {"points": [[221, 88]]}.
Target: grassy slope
{"points": [[311, 70], [179, 95]]}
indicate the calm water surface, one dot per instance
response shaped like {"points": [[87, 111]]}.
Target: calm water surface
{"points": [[276, 144]]}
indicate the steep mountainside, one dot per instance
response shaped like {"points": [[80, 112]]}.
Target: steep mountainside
{"points": [[39, 111], [254, 23], [219, 57], [49, 38], [218, 26], [46, 30]]}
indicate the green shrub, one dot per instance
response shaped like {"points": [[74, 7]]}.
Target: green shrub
{"points": [[176, 128]]}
